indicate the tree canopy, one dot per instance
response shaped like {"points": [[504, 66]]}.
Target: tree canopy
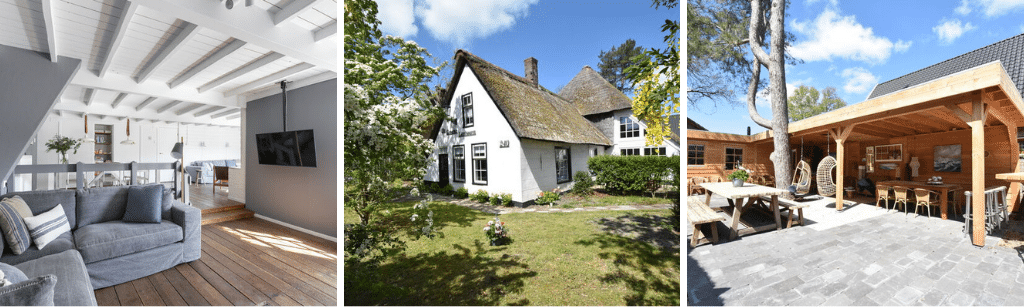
{"points": [[807, 101], [614, 63], [655, 75]]}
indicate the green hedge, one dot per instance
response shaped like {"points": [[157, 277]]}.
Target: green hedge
{"points": [[634, 174]]}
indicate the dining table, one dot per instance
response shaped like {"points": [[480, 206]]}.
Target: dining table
{"points": [[942, 189], [740, 199]]}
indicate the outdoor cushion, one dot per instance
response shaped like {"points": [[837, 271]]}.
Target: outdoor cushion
{"points": [[145, 203], [98, 205], [46, 226], [73, 286], [42, 201], [63, 242], [118, 238], [33, 292]]}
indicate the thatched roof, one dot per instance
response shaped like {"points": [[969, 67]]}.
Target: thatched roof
{"points": [[592, 94], [533, 111]]}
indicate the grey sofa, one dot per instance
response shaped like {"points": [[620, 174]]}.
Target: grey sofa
{"points": [[112, 251], [198, 174]]}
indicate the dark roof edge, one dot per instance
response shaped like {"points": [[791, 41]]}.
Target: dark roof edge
{"points": [[946, 76]]}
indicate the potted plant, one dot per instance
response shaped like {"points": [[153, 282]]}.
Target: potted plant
{"points": [[62, 144], [496, 232], [739, 176]]}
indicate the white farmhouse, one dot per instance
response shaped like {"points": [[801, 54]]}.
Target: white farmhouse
{"points": [[511, 135]]}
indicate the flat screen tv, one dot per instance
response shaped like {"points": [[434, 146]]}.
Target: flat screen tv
{"points": [[289, 148]]}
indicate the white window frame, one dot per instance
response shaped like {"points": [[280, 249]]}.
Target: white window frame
{"points": [[628, 128], [459, 158], [561, 164], [467, 104], [479, 163]]}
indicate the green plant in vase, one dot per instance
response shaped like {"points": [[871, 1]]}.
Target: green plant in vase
{"points": [[62, 144], [739, 176]]}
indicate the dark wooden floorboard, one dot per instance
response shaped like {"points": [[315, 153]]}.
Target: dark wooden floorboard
{"points": [[202, 197], [269, 274], [204, 287], [236, 281], [126, 294], [107, 297], [268, 289], [166, 291], [191, 296], [147, 292], [223, 286], [309, 285], [319, 267]]}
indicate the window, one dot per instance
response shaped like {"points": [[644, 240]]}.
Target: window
{"points": [[628, 128], [459, 162], [629, 152], [595, 153], [694, 154], [563, 171], [654, 151], [480, 163], [733, 156], [467, 110]]}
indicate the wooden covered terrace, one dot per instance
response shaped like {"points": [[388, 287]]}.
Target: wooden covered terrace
{"points": [[979, 109]]}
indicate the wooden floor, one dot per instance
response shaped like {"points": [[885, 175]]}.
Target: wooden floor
{"points": [[203, 197], [244, 262]]}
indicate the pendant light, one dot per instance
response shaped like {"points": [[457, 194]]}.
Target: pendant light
{"points": [[128, 133], [85, 137]]}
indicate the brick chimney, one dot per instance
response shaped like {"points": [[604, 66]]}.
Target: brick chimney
{"points": [[531, 69]]}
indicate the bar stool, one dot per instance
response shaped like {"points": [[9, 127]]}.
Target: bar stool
{"points": [[901, 197], [882, 195]]}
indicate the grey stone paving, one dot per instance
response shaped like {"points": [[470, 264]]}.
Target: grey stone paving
{"points": [[861, 256]]}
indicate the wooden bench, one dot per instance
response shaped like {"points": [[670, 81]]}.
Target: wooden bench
{"points": [[789, 206], [699, 213]]}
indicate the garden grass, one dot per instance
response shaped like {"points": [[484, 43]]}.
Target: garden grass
{"points": [[603, 200], [554, 259]]}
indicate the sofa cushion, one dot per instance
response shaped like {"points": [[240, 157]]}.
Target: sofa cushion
{"points": [[12, 275], [117, 238], [145, 203], [98, 205], [47, 226], [165, 204], [42, 201], [33, 292], [13, 227], [63, 242], [18, 204], [73, 287]]}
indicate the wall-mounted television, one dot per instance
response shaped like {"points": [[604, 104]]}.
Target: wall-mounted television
{"points": [[289, 148]]}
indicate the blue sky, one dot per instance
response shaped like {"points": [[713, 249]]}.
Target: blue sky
{"points": [[563, 35], [854, 45]]}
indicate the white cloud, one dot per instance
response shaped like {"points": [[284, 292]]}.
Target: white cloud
{"points": [[964, 8], [991, 8], [397, 17], [950, 30], [459, 22], [858, 80], [831, 35]]}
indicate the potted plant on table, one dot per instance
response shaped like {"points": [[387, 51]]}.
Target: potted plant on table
{"points": [[739, 176], [62, 144]]}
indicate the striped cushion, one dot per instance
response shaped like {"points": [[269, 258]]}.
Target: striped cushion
{"points": [[47, 226], [19, 205], [13, 227]]}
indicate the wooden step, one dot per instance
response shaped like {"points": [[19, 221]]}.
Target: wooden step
{"points": [[224, 216], [224, 208]]}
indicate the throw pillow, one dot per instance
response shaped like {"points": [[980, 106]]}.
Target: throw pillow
{"points": [[47, 226], [11, 275], [19, 205], [144, 203], [33, 292], [13, 227]]}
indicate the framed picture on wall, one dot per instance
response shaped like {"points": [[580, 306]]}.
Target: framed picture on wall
{"points": [[947, 158], [889, 153]]}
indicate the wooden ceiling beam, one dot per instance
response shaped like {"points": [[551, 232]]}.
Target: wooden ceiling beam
{"points": [[248, 67], [325, 32], [183, 34], [88, 96], [206, 62], [869, 129], [187, 109], [233, 116], [168, 106], [118, 100], [208, 111], [225, 113], [128, 9], [51, 31], [293, 10], [285, 73], [144, 103]]}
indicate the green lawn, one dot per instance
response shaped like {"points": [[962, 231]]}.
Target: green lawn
{"points": [[555, 259], [602, 200]]}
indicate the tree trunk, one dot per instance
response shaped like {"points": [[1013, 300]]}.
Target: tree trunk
{"points": [[775, 61]]}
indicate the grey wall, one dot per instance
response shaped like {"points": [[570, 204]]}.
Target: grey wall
{"points": [[303, 196], [605, 122], [29, 88]]}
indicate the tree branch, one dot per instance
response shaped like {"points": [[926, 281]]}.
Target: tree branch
{"points": [[755, 69], [757, 30]]}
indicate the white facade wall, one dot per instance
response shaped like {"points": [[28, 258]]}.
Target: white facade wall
{"points": [[491, 128], [635, 142], [538, 166]]}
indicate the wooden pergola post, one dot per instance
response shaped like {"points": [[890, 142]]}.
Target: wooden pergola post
{"points": [[1012, 199], [840, 135], [976, 121]]}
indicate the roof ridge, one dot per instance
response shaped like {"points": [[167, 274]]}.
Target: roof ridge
{"points": [[947, 60], [498, 68]]}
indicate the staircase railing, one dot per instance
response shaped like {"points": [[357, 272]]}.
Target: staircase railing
{"points": [[81, 168]]}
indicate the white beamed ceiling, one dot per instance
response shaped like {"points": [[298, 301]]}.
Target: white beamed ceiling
{"points": [[86, 29]]}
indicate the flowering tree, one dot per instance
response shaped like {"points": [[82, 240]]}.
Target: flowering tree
{"points": [[387, 104], [655, 75]]}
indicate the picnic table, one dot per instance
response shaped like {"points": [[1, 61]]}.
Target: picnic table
{"points": [[742, 197], [942, 189]]}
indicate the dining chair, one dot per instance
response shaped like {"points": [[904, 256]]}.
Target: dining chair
{"points": [[901, 198], [714, 178], [695, 187], [954, 201], [924, 197], [882, 195]]}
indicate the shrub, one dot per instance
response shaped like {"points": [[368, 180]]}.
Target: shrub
{"points": [[461, 193], [548, 198], [506, 199], [448, 190], [495, 199], [584, 184], [480, 196], [633, 174]]}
